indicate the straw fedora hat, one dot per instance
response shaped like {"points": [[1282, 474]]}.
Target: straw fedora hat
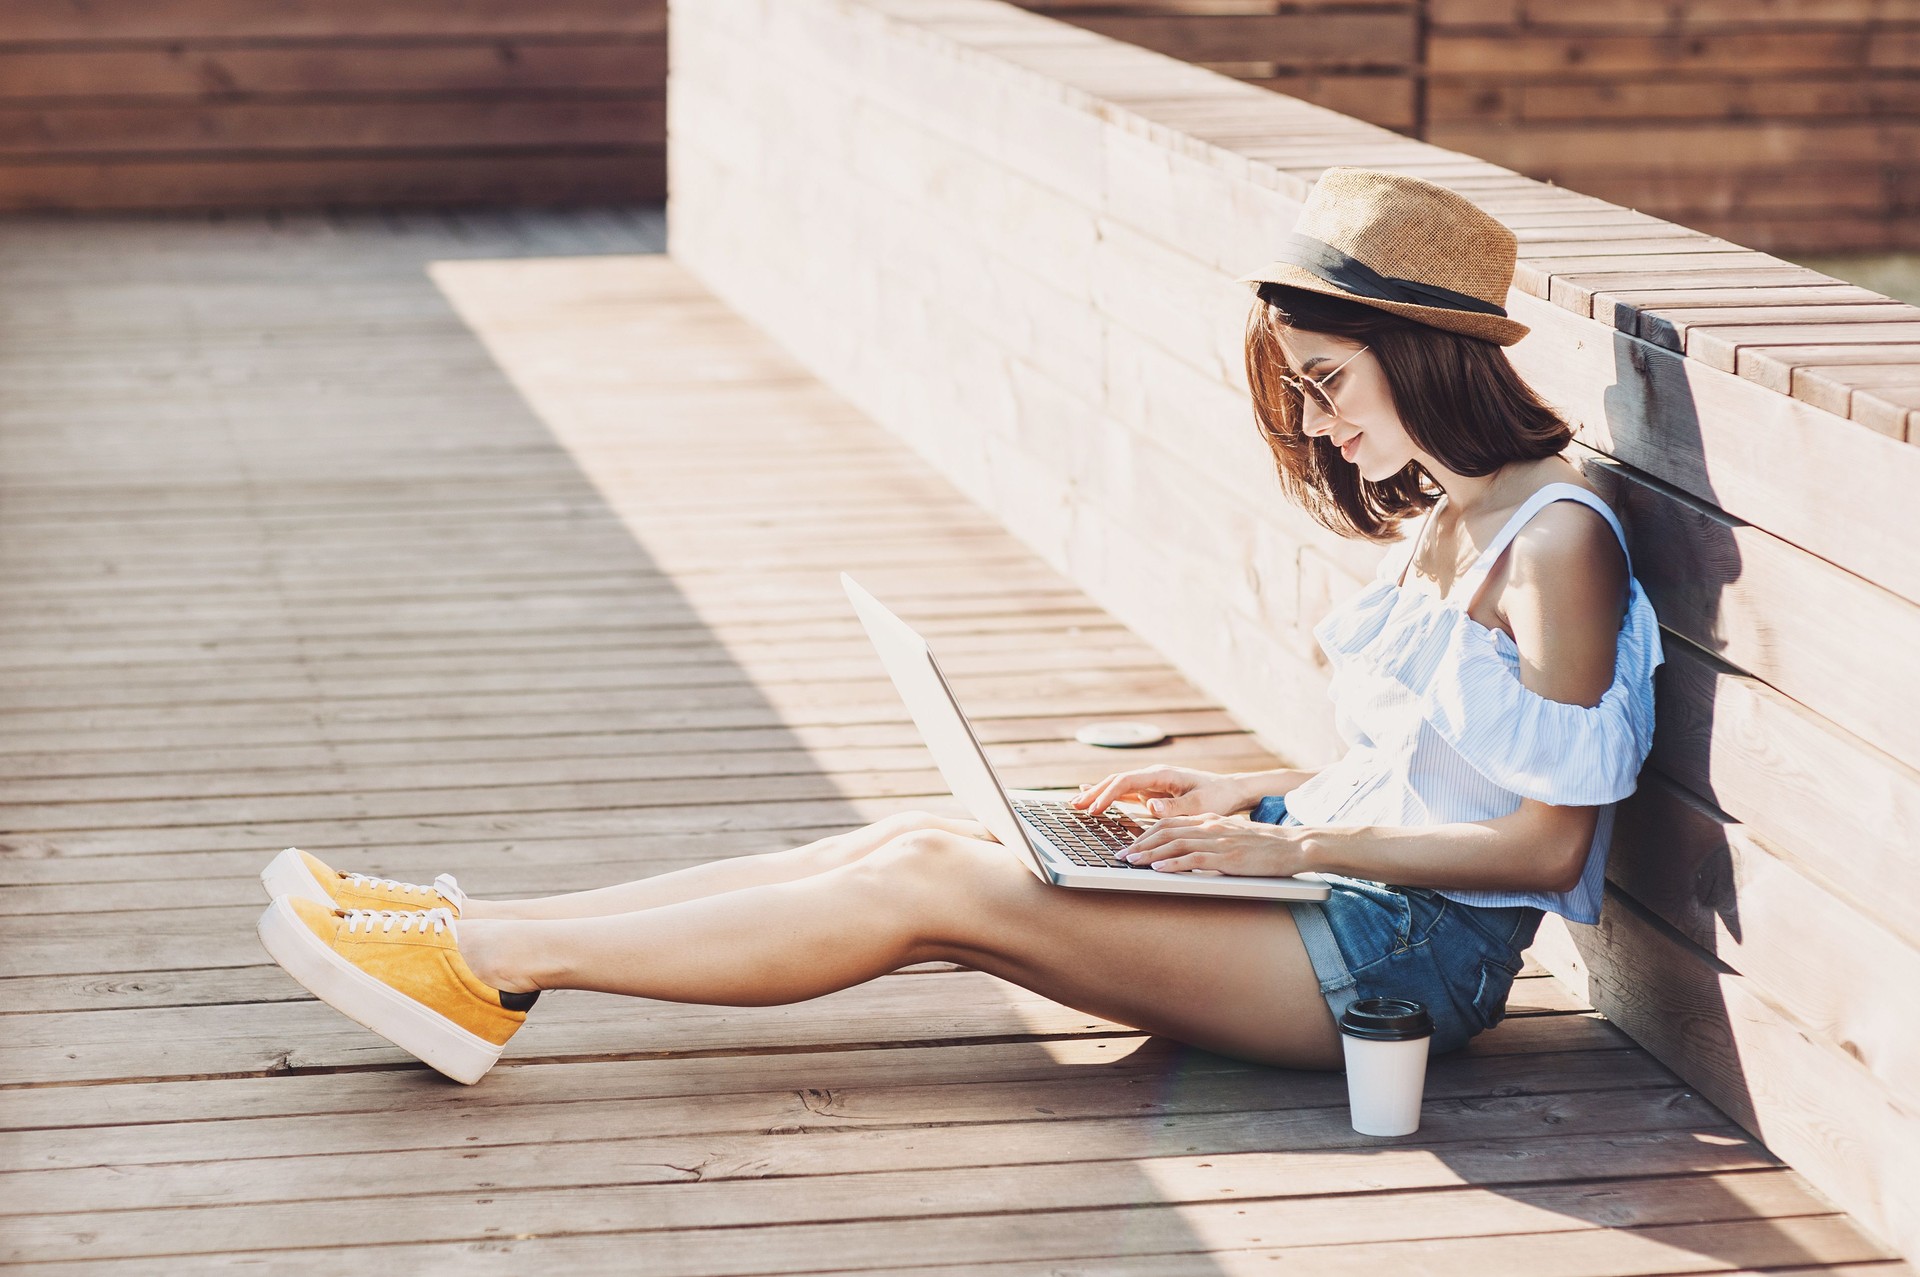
{"points": [[1404, 245]]}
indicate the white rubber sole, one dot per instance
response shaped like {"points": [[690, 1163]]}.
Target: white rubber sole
{"points": [[287, 875], [409, 1025]]}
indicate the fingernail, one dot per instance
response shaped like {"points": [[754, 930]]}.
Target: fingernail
{"points": [[1157, 807]]}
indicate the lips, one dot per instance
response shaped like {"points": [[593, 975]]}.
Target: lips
{"points": [[1352, 441]]}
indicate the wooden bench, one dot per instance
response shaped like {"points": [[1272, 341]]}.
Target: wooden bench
{"points": [[1011, 241]]}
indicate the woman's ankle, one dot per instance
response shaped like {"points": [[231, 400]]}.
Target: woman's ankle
{"points": [[488, 950]]}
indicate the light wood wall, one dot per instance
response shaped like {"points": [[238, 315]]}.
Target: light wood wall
{"points": [[175, 104], [1013, 242], [1791, 127]]}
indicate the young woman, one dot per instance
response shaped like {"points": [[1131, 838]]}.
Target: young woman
{"points": [[1494, 685]]}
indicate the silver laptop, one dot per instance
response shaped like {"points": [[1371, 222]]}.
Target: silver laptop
{"points": [[1060, 843]]}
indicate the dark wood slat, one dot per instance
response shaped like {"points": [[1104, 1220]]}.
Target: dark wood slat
{"points": [[182, 69], [101, 21]]}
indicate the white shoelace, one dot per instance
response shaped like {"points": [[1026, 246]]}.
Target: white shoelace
{"points": [[435, 920], [449, 889]]}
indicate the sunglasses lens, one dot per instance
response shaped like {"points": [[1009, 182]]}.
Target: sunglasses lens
{"points": [[1311, 390]]}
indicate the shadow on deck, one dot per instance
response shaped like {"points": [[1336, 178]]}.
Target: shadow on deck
{"points": [[494, 545]]}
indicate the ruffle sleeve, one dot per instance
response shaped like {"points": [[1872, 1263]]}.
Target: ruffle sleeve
{"points": [[1547, 750], [1539, 748]]}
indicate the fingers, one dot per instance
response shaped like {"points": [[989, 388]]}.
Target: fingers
{"points": [[1183, 855], [1161, 833], [1149, 781], [1096, 797]]}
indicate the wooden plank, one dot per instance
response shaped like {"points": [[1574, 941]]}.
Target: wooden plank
{"points": [[415, 833], [1295, 39], [1601, 55], [1614, 269], [416, 773], [538, 178], [1757, 1064], [1102, 1083], [1623, 309], [1581, 293], [654, 791], [1715, 96], [1893, 411], [1386, 100], [182, 69], [1835, 387], [1160, 1241], [1243, 1141], [162, 20], [254, 1039], [1776, 367], [153, 1122], [309, 130], [1670, 326], [1720, 347], [1460, 1211]]}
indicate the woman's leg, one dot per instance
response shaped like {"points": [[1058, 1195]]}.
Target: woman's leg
{"points": [[729, 874], [1228, 975]]}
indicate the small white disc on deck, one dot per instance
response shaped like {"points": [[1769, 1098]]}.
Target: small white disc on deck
{"points": [[1120, 735]]}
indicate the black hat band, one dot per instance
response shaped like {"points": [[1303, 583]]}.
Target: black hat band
{"points": [[1356, 277]]}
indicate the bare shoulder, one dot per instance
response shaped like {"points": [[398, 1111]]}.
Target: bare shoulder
{"points": [[1565, 599], [1570, 546]]}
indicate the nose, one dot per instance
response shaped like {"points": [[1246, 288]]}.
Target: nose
{"points": [[1314, 419]]}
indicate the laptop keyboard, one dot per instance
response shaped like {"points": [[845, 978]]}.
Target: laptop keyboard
{"points": [[1090, 841]]}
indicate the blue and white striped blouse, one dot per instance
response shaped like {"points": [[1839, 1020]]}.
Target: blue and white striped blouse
{"points": [[1440, 728]]}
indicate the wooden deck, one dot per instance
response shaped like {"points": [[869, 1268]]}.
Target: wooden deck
{"points": [[521, 565]]}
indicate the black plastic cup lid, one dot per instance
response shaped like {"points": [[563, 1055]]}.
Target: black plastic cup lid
{"points": [[1387, 1020]]}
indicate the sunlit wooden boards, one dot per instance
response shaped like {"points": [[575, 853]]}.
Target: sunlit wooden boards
{"points": [[318, 529]]}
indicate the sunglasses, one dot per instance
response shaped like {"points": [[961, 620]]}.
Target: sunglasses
{"points": [[1314, 388]]}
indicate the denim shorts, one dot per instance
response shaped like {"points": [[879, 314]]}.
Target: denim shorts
{"points": [[1371, 940]]}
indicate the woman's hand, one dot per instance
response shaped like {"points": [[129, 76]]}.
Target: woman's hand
{"points": [[1223, 844], [1167, 791]]}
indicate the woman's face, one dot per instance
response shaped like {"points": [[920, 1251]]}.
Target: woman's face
{"points": [[1366, 421]]}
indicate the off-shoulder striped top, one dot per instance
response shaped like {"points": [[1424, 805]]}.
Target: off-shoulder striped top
{"points": [[1439, 727]]}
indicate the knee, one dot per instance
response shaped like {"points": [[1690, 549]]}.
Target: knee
{"points": [[850, 848], [935, 859], [907, 822]]}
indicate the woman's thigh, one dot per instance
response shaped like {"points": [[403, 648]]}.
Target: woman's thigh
{"points": [[1227, 975]]}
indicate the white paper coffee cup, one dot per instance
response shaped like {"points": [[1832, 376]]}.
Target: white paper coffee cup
{"points": [[1386, 1041]]}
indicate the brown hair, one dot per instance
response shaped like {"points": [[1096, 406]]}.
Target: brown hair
{"points": [[1459, 398]]}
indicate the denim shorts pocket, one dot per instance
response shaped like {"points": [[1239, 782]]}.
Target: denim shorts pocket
{"points": [[1490, 997]]}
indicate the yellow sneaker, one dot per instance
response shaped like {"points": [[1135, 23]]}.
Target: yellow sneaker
{"points": [[399, 974], [301, 874]]}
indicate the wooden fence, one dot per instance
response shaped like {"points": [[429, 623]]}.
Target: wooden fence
{"points": [[1790, 127], [1013, 242], [169, 104]]}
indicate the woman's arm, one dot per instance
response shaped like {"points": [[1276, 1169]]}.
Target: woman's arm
{"points": [[1540, 847], [1282, 781]]}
